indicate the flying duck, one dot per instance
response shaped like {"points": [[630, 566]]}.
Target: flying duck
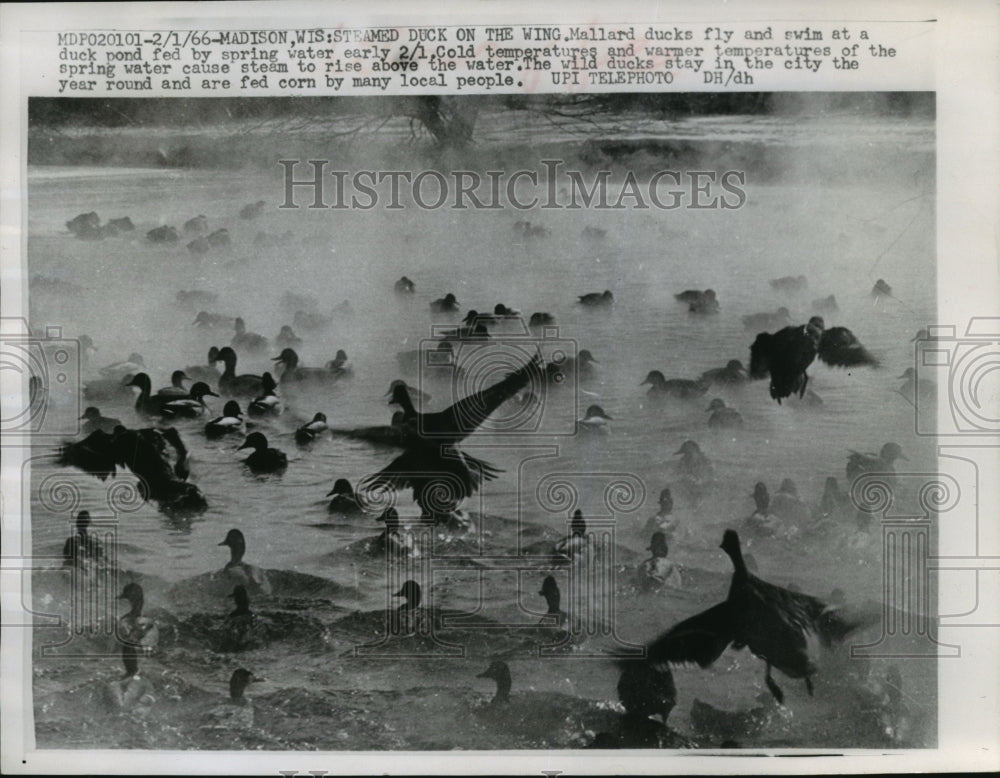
{"points": [[779, 626], [786, 354]]}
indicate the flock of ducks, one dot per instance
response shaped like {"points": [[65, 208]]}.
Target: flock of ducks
{"points": [[780, 626]]}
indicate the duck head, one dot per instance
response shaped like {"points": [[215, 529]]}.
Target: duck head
{"points": [[585, 357], [227, 355], [816, 326], [177, 378], [256, 441], [658, 544], [909, 373], [200, 390], [731, 545], [607, 295], [891, 452], [735, 366], [237, 544], [578, 525], [240, 326], [688, 448], [341, 486], [288, 358], [550, 591], [449, 299], [761, 496], [133, 593], [596, 412], [141, 380], [91, 414], [410, 592], [232, 410], [238, 682], [267, 383], [716, 405], [654, 377], [499, 672], [82, 522]]}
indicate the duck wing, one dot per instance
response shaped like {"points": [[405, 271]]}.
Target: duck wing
{"points": [[95, 454], [398, 435], [453, 472], [839, 347], [701, 638], [465, 416]]}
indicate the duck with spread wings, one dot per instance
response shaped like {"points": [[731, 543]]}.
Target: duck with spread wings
{"points": [[439, 473], [786, 355], [782, 627]]}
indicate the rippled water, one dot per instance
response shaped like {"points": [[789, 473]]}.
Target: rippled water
{"points": [[871, 220]]}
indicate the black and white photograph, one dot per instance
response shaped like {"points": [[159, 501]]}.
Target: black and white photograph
{"points": [[489, 419]]}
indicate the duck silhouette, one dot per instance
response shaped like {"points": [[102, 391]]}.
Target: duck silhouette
{"points": [[782, 627], [245, 385], [722, 416], [263, 459], [786, 355], [208, 372], [789, 284], [267, 402], [733, 374], [859, 464], [240, 573], [343, 499], [438, 472], [679, 388], [247, 341], [176, 388], [310, 431], [596, 299], [93, 420], [229, 423]]}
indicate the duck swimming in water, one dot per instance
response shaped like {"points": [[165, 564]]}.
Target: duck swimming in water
{"points": [[693, 463], [119, 370], [733, 374], [146, 403], [594, 420], [404, 286], [916, 389], [596, 299], [343, 500], [554, 616], [446, 304], [247, 341], [82, 547], [787, 505], [292, 372], [781, 627], [267, 403], [679, 388], [263, 459], [176, 388], [786, 355], [233, 385], [93, 420], [287, 338], [138, 636], [762, 521], [190, 407], [209, 320], [208, 373], [308, 433], [243, 573], [238, 712], [708, 303], [541, 319], [767, 321], [859, 464], [790, 284], [229, 423], [722, 416]]}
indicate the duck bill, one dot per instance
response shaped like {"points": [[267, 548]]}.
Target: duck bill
{"points": [[245, 445]]}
